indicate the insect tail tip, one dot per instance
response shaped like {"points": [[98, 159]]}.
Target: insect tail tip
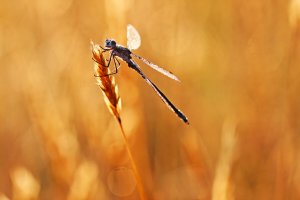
{"points": [[185, 120]]}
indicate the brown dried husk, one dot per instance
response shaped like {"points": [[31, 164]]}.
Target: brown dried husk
{"points": [[106, 82]]}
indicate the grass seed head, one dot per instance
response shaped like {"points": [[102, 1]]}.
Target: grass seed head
{"points": [[106, 82]]}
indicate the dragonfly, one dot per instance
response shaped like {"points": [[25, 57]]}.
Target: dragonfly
{"points": [[125, 53]]}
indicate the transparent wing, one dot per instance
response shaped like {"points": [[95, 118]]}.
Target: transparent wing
{"points": [[157, 68], [133, 38]]}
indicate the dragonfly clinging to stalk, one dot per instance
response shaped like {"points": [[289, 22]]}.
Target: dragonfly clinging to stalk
{"points": [[133, 42]]}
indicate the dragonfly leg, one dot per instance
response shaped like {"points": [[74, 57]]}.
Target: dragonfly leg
{"points": [[114, 58], [117, 62], [105, 74], [104, 49], [111, 55], [96, 61], [101, 63], [116, 68]]}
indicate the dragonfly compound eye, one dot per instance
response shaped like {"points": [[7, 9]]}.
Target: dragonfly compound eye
{"points": [[107, 42], [110, 43], [113, 43]]}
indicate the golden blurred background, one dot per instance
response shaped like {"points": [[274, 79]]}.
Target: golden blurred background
{"points": [[238, 62]]}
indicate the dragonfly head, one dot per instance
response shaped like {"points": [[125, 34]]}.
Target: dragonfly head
{"points": [[110, 43]]}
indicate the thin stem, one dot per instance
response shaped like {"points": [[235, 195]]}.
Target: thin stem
{"points": [[133, 165]]}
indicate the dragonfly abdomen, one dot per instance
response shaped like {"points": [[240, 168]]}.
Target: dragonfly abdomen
{"points": [[134, 66]]}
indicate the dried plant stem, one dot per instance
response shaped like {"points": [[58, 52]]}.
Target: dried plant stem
{"points": [[113, 102], [133, 165]]}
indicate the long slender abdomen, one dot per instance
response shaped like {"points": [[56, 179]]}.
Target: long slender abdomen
{"points": [[180, 114], [134, 66]]}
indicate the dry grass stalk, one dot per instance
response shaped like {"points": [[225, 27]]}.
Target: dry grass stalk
{"points": [[113, 102]]}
